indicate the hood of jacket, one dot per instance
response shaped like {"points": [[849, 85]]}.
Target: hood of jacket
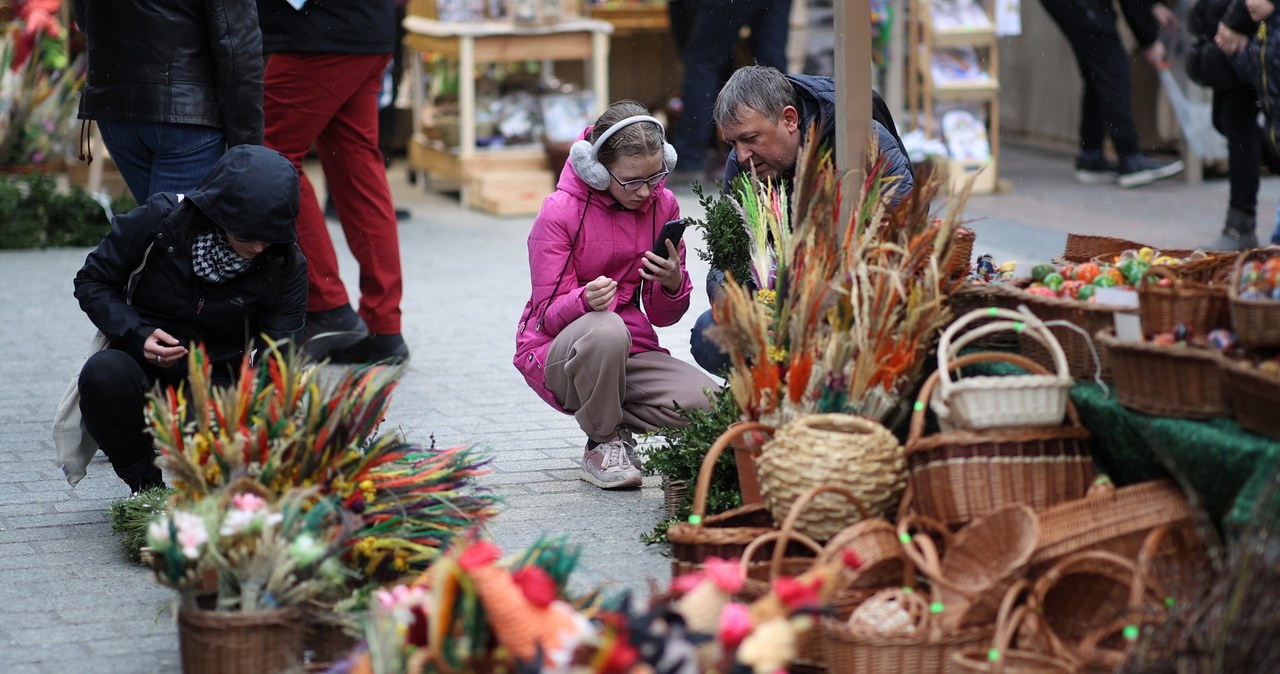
{"points": [[251, 192]]}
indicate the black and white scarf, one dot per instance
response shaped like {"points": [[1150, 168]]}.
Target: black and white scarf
{"points": [[214, 260]]}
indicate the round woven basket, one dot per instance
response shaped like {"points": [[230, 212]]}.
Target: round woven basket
{"points": [[923, 648], [1184, 382], [1198, 306], [1253, 396], [837, 450], [1079, 348], [328, 634], [1256, 322], [1004, 657], [256, 642], [978, 565]]}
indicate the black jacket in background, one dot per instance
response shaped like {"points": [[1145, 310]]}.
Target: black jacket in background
{"points": [[270, 298], [329, 26], [176, 61]]}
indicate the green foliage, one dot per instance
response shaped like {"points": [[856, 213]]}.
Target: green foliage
{"points": [[35, 214], [76, 219], [681, 455], [130, 518], [723, 231]]}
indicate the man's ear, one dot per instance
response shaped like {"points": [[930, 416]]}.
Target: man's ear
{"points": [[790, 118]]}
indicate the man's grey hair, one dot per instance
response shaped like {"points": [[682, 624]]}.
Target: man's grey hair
{"points": [[761, 88]]}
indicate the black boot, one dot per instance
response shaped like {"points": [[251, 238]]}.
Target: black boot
{"points": [[141, 475], [1239, 232]]}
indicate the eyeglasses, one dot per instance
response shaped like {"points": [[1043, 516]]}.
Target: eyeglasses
{"points": [[651, 181]]}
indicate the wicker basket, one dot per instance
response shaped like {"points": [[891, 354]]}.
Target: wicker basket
{"points": [[882, 562], [1078, 348], [1087, 599], [725, 535], [758, 576], [926, 649], [1253, 395], [673, 493], [1087, 247], [837, 450], [970, 296], [1166, 381], [978, 566], [1111, 520], [1004, 657], [962, 252], [976, 403], [327, 637], [255, 642], [956, 476], [1256, 322], [1197, 306]]}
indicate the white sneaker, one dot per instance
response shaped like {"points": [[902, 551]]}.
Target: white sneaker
{"points": [[608, 467]]}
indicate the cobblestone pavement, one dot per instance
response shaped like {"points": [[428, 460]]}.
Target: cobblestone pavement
{"points": [[73, 604]]}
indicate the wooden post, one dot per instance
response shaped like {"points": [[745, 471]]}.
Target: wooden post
{"points": [[853, 91]]}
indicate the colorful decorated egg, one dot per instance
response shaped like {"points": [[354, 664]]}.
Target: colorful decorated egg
{"points": [[1221, 339], [1085, 292], [1087, 272]]}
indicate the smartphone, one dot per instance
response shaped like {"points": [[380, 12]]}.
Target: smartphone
{"points": [[673, 231]]}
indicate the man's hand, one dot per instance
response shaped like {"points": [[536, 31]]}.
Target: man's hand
{"points": [[1154, 55], [1260, 10], [600, 293], [666, 272], [1229, 41]]}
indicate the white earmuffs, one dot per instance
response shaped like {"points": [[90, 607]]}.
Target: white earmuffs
{"points": [[582, 154]]}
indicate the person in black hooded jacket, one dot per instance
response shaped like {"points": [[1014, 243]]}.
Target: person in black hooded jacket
{"points": [[171, 84], [220, 267]]}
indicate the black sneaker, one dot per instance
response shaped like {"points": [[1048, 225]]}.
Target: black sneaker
{"points": [[1137, 170], [373, 349], [331, 329], [1093, 168], [1239, 233]]}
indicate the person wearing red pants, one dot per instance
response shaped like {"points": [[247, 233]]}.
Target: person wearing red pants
{"points": [[324, 70]]}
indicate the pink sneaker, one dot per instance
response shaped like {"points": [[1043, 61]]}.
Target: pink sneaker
{"points": [[607, 466]]}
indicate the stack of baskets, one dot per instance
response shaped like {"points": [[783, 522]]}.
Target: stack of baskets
{"points": [[1004, 442], [1164, 379]]}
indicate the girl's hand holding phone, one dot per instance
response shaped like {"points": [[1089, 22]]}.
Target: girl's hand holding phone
{"points": [[663, 270], [600, 292]]}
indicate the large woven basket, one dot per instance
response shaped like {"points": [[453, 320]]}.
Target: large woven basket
{"points": [[927, 649], [327, 636], [1256, 322], [956, 476], [1197, 306], [1087, 599], [724, 535], [1253, 395], [1112, 520], [1006, 657], [1084, 359], [836, 450], [983, 402], [1167, 381], [979, 564], [255, 642]]}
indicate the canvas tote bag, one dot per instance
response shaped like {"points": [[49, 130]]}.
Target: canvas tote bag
{"points": [[71, 439]]}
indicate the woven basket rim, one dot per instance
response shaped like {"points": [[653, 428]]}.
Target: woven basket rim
{"points": [[1017, 293], [1108, 337]]}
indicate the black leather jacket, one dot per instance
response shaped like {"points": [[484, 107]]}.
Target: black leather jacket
{"points": [[176, 61]]}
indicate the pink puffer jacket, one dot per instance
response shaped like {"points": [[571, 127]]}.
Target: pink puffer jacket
{"points": [[582, 233]]}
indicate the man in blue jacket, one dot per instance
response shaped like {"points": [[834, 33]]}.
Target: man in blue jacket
{"points": [[765, 116]]}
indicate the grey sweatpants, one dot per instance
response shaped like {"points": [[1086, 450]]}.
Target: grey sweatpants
{"points": [[591, 375]]}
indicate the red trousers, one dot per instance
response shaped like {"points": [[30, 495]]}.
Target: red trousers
{"points": [[331, 101]]}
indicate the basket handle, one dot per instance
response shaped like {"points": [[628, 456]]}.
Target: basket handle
{"points": [[920, 550], [708, 466], [922, 400], [1013, 320], [797, 508], [754, 546]]}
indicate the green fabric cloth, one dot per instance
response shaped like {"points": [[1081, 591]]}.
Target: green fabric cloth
{"points": [[1222, 465]]}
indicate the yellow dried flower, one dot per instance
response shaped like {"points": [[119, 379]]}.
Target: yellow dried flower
{"points": [[767, 297], [777, 354], [366, 486], [212, 472], [367, 546]]}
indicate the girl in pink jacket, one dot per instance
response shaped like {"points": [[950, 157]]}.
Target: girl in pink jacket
{"points": [[585, 341]]}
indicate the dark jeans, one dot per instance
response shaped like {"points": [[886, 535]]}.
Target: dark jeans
{"points": [[709, 48], [1235, 115], [706, 353], [157, 157], [1090, 28]]}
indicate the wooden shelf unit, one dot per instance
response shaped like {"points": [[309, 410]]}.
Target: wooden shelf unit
{"points": [[924, 92], [469, 45]]}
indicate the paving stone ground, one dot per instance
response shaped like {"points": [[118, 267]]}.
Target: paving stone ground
{"points": [[73, 604]]}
